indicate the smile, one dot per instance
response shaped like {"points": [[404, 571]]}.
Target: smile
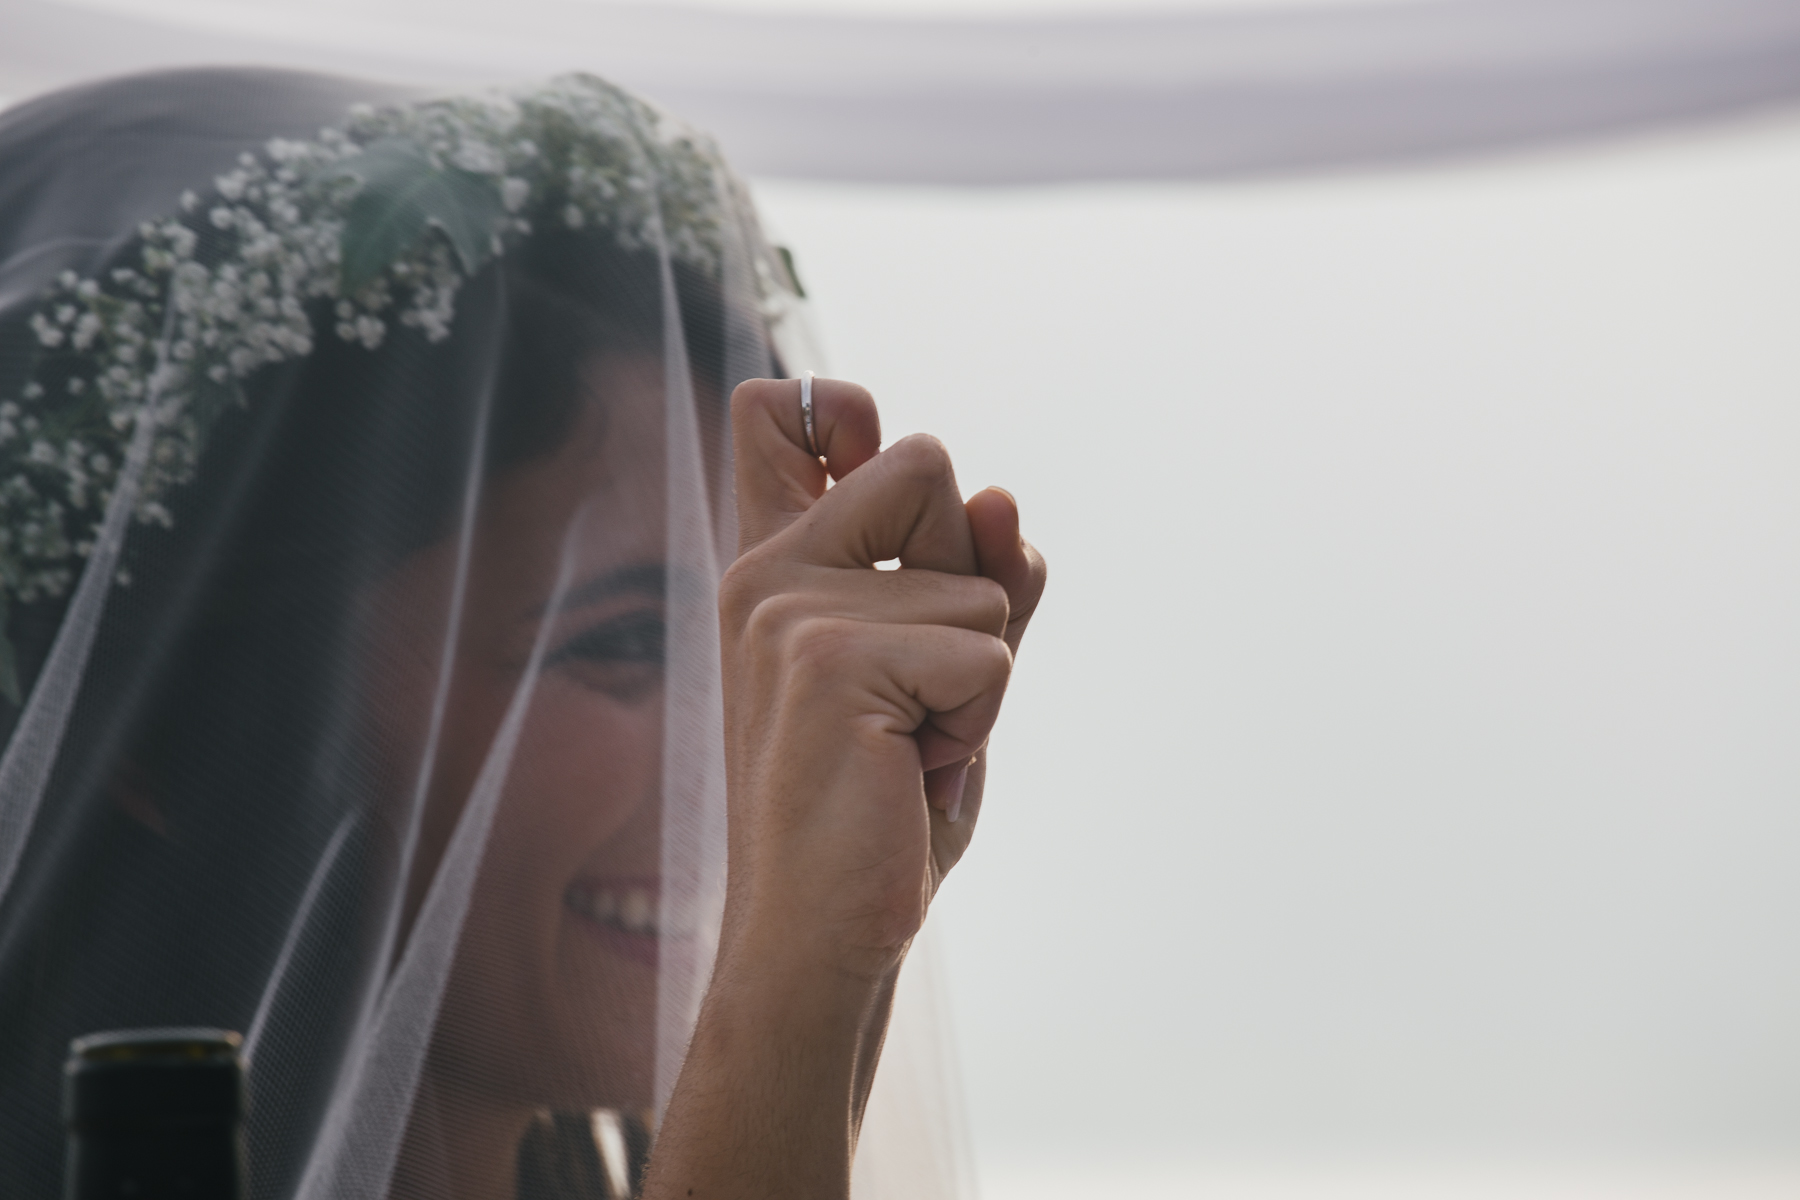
{"points": [[626, 907]]}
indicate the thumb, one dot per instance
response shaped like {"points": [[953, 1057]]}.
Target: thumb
{"points": [[778, 478]]}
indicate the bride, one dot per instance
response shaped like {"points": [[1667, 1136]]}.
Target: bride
{"points": [[430, 644]]}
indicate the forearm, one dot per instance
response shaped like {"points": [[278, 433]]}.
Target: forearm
{"points": [[855, 702], [770, 1099]]}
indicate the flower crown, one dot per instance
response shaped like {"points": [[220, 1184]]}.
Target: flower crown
{"points": [[381, 221]]}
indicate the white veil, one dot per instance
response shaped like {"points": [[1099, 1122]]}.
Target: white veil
{"points": [[363, 464]]}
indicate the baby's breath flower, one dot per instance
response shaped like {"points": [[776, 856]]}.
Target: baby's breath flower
{"points": [[47, 334], [161, 339], [86, 327]]}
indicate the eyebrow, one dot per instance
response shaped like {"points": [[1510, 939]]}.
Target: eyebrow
{"points": [[647, 579]]}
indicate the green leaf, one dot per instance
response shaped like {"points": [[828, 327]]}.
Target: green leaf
{"points": [[787, 261], [401, 196]]}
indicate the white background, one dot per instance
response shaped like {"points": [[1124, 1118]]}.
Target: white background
{"points": [[1399, 793]]}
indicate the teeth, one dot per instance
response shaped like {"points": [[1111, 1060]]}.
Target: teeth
{"points": [[635, 912], [630, 909]]}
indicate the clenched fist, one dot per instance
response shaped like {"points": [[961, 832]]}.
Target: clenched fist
{"points": [[858, 704], [857, 700]]}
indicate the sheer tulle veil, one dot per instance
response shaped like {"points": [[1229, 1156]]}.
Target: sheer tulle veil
{"points": [[363, 496]]}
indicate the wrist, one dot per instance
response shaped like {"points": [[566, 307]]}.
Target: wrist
{"points": [[782, 1060], [763, 967], [786, 933]]}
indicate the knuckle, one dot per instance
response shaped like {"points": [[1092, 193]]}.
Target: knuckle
{"points": [[740, 590], [847, 411], [923, 457], [770, 619], [992, 606], [995, 659], [819, 649], [850, 395], [754, 394]]}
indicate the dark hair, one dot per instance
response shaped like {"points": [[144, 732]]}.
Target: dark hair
{"points": [[212, 749]]}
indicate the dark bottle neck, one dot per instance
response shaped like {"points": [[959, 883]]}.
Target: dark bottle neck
{"points": [[155, 1113]]}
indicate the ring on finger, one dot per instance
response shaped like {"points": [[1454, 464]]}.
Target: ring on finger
{"points": [[806, 415]]}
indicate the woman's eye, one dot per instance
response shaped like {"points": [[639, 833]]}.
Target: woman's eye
{"points": [[622, 657], [637, 637]]}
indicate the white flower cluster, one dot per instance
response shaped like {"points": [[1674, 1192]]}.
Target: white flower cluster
{"points": [[249, 273]]}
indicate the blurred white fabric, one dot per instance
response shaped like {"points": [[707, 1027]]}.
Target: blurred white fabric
{"points": [[1402, 764], [915, 1136], [1178, 94]]}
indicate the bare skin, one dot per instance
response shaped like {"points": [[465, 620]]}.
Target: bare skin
{"points": [[539, 1010], [852, 695], [857, 709]]}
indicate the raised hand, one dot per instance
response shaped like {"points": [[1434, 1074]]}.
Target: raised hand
{"points": [[853, 694], [858, 704]]}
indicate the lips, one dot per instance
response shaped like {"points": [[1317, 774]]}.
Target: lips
{"points": [[621, 914]]}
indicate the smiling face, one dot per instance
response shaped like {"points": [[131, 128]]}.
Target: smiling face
{"points": [[552, 996]]}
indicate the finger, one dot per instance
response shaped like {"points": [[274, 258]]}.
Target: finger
{"points": [[1006, 558], [911, 597], [777, 477], [938, 685], [903, 504]]}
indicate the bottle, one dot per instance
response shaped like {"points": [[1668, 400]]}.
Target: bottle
{"points": [[155, 1114]]}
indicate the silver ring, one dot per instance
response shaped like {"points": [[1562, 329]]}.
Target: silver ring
{"points": [[806, 415]]}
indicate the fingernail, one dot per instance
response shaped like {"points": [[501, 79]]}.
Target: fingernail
{"points": [[954, 790], [994, 487]]}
